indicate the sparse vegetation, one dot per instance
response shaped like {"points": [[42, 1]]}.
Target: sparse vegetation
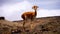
{"points": [[46, 25]]}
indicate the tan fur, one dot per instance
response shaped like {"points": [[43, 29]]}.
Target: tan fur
{"points": [[29, 15]]}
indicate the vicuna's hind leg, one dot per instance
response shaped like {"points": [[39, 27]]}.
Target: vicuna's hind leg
{"points": [[25, 20]]}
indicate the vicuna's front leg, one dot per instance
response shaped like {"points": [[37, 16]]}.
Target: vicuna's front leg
{"points": [[33, 18]]}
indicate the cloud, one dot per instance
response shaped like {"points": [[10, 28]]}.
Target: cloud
{"points": [[14, 11], [9, 1], [47, 4], [47, 13]]}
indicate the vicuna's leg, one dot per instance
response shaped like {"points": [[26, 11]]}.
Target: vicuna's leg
{"points": [[24, 23], [32, 18]]}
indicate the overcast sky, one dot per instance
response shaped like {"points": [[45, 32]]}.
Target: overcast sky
{"points": [[12, 9]]}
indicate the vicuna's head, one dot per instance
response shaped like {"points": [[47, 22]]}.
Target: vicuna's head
{"points": [[35, 7]]}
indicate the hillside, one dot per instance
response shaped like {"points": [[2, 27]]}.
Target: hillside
{"points": [[45, 25]]}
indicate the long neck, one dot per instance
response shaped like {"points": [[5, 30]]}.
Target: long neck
{"points": [[35, 12]]}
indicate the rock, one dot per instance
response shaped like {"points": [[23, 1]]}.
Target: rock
{"points": [[2, 18]]}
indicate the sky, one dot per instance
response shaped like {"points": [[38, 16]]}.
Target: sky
{"points": [[13, 9]]}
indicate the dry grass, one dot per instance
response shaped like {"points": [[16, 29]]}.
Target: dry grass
{"points": [[48, 25]]}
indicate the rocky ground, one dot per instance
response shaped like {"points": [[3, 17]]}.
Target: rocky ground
{"points": [[44, 25]]}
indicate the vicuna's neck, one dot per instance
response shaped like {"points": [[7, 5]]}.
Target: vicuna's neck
{"points": [[35, 12]]}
